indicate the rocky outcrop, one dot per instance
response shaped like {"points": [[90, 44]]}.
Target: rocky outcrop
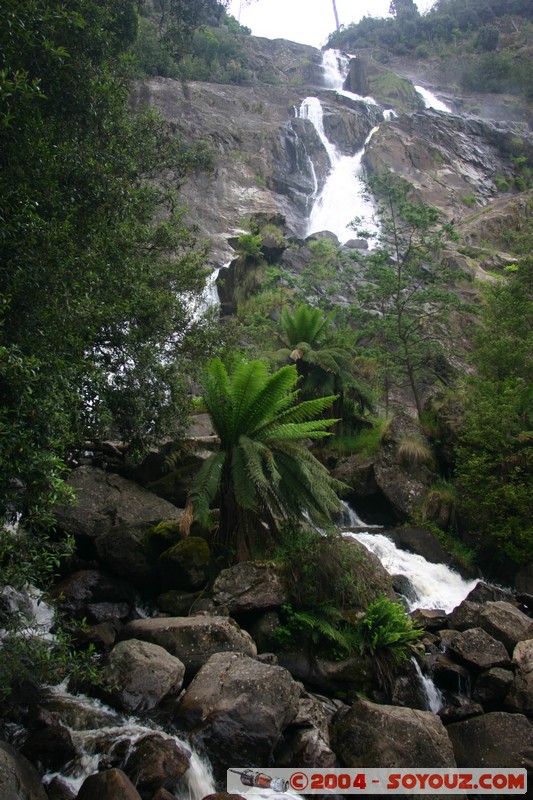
{"points": [[192, 639], [236, 708], [506, 623], [478, 649]]}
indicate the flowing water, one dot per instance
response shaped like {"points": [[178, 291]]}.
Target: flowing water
{"points": [[343, 197], [430, 101]]}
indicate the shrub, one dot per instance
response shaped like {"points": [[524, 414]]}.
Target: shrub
{"points": [[414, 451]]}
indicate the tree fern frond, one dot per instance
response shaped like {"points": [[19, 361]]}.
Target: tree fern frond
{"points": [[206, 484]]}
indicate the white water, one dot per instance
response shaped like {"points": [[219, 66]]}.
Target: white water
{"points": [[343, 197], [434, 696], [97, 730], [430, 101], [210, 299], [437, 586]]}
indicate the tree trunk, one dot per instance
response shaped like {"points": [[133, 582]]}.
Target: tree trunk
{"points": [[336, 15]]}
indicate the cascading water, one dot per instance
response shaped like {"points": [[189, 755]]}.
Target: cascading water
{"points": [[430, 101], [210, 298], [436, 585], [343, 197], [433, 695]]}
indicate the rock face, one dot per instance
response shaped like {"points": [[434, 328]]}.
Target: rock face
{"points": [[192, 639], [372, 735], [506, 623], [237, 707], [478, 649], [116, 515]]}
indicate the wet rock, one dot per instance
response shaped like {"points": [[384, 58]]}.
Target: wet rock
{"points": [[185, 565], [520, 697], [460, 709], [421, 541], [156, 762], [407, 689], [19, 780], [163, 794], [140, 674], [263, 629], [429, 618], [112, 784], [403, 585], [237, 708], [448, 674], [192, 639], [249, 587], [305, 748], [492, 686], [94, 595], [351, 673], [493, 739], [373, 735], [506, 623], [478, 649], [58, 790]]}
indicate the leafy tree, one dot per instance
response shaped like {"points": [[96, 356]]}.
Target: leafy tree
{"points": [[178, 20], [96, 297], [406, 290], [494, 470], [262, 473]]}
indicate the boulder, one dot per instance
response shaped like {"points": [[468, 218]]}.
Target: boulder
{"points": [[58, 790], [250, 587], [185, 565], [49, 747], [176, 603], [478, 649], [465, 616], [484, 592], [493, 740], [192, 639], [19, 780], [305, 748], [506, 623], [429, 618], [112, 784], [116, 514], [94, 595], [237, 708], [520, 697], [351, 673], [421, 541], [492, 686], [156, 762], [140, 674], [373, 735]]}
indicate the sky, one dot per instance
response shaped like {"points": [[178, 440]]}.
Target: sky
{"points": [[307, 21]]}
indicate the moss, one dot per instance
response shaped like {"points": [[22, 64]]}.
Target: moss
{"points": [[161, 536], [185, 564]]}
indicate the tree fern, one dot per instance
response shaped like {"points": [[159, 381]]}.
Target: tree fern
{"points": [[263, 473]]}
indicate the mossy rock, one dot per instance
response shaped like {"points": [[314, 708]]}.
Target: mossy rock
{"points": [[185, 565], [162, 536]]}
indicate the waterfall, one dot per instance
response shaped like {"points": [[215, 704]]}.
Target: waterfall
{"points": [[434, 697], [343, 196], [436, 585], [209, 298], [430, 101]]}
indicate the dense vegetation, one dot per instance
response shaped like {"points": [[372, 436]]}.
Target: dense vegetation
{"points": [[485, 44]]}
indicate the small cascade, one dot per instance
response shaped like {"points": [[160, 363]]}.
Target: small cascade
{"points": [[430, 101], [311, 109], [433, 695], [436, 585], [210, 299], [349, 519]]}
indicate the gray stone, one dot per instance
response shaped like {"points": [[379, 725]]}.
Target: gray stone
{"points": [[250, 587], [185, 565], [19, 780], [520, 696], [237, 709], [493, 740], [478, 649], [156, 762], [192, 639], [506, 623], [492, 686], [465, 616], [139, 675], [112, 784], [373, 735]]}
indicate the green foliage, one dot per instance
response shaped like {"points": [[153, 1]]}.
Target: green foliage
{"points": [[365, 442], [414, 451], [324, 627], [405, 297], [96, 298], [386, 634], [249, 245], [262, 472], [495, 458]]}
